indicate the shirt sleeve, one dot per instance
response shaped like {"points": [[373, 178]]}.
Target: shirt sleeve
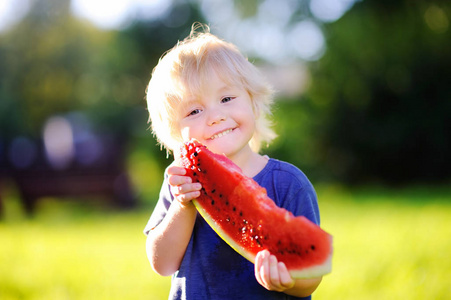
{"points": [[290, 188], [161, 208], [305, 203]]}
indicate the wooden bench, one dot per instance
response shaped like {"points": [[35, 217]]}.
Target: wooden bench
{"points": [[103, 174]]}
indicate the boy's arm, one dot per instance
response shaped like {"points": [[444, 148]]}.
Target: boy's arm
{"points": [[167, 242], [274, 276]]}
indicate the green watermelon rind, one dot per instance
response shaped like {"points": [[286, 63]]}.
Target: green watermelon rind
{"points": [[308, 272], [222, 234]]}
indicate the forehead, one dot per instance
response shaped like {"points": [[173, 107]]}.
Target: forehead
{"points": [[209, 80], [213, 87]]}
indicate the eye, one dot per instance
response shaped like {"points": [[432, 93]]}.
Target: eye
{"points": [[194, 112], [226, 99]]}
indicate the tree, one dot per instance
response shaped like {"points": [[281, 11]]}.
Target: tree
{"points": [[381, 93]]}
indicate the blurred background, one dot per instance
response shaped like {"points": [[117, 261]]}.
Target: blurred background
{"points": [[362, 107]]}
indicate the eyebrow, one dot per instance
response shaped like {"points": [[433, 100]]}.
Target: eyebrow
{"points": [[185, 104], [189, 100], [226, 88], [192, 100]]}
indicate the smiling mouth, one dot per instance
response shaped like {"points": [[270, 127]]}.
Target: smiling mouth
{"points": [[218, 135]]}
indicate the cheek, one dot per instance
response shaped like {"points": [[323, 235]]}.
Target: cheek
{"points": [[185, 131], [248, 113], [249, 118], [191, 128], [188, 132]]}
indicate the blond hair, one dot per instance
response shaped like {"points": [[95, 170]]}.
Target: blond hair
{"points": [[183, 71]]}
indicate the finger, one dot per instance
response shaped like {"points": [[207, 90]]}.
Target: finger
{"points": [[176, 170], [264, 269], [178, 179], [175, 190], [257, 267], [188, 197], [187, 188], [274, 273], [285, 278]]}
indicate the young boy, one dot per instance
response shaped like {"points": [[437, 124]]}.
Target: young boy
{"points": [[204, 88]]}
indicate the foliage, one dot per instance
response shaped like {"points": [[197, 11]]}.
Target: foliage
{"points": [[381, 93], [52, 63], [298, 139], [376, 109]]}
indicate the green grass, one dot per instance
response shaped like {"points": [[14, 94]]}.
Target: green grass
{"points": [[73, 252], [389, 244]]}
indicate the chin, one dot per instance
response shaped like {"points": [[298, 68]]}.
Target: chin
{"points": [[228, 148]]}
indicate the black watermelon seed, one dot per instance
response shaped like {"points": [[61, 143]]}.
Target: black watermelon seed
{"points": [[213, 191], [312, 247], [212, 202]]}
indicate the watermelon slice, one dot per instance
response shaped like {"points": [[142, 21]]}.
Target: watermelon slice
{"points": [[242, 214]]}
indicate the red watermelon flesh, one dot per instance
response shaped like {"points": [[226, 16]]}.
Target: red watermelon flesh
{"points": [[242, 214]]}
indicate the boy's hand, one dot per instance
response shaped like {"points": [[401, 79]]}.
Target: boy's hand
{"points": [[182, 187], [271, 274]]}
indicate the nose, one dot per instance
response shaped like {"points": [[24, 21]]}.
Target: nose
{"points": [[216, 116]]}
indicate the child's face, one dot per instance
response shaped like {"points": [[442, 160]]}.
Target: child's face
{"points": [[222, 118]]}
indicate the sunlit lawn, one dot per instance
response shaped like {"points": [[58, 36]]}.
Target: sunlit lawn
{"points": [[389, 244], [72, 252]]}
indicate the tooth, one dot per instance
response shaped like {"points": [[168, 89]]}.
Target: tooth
{"points": [[221, 134]]}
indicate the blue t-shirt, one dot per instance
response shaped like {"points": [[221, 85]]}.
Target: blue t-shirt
{"points": [[211, 269]]}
